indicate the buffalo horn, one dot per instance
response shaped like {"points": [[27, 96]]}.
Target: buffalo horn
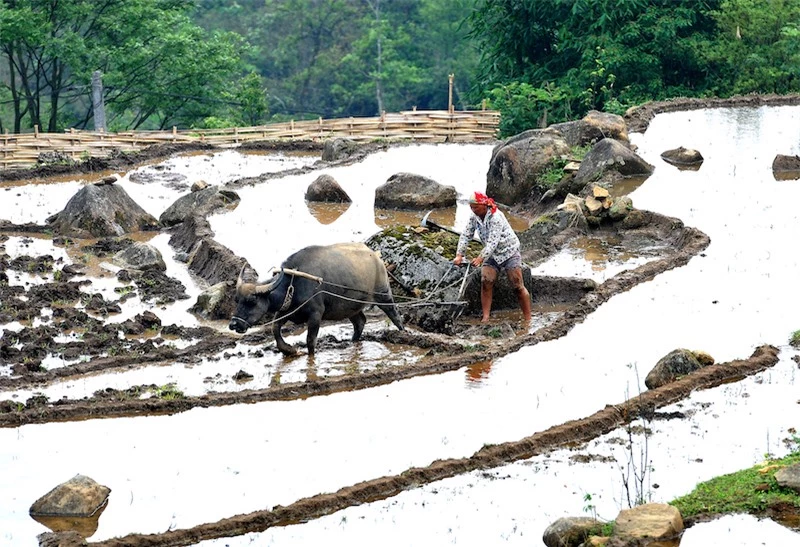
{"points": [[240, 279], [268, 287]]}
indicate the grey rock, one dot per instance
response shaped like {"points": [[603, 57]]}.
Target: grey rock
{"points": [[200, 203], [326, 189], [100, 211], [415, 192], [678, 362], [80, 496], [140, 256]]}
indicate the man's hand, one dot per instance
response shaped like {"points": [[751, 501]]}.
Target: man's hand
{"points": [[477, 261], [457, 260]]}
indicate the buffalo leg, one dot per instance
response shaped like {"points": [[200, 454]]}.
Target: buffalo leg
{"points": [[358, 321], [285, 348], [385, 302], [314, 321]]}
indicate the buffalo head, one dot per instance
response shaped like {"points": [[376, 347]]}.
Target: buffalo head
{"points": [[252, 301]]}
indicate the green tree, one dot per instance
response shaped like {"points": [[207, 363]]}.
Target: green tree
{"points": [[597, 52], [757, 48], [159, 68], [353, 57], [251, 100], [524, 106]]}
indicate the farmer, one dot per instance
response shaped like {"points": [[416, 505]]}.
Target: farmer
{"points": [[500, 252]]}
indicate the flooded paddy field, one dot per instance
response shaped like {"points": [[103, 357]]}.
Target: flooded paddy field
{"points": [[420, 439]]}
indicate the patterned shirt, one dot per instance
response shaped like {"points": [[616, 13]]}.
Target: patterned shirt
{"points": [[499, 240]]}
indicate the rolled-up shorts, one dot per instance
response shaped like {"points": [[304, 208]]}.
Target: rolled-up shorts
{"points": [[514, 262]]}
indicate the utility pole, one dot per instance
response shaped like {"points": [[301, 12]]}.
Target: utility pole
{"points": [[97, 101]]}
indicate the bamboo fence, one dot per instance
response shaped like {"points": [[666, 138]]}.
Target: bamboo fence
{"points": [[21, 150]]}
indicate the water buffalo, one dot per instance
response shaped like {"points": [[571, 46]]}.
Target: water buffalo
{"points": [[315, 283]]}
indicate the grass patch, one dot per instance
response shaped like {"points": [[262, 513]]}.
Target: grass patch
{"points": [[794, 339], [167, 392], [748, 491], [554, 173]]}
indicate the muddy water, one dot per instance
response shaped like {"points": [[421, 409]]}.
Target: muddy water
{"points": [[726, 302], [273, 219], [207, 464]]}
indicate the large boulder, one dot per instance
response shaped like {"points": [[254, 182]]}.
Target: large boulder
{"points": [[608, 160], [326, 189], [80, 496], [140, 256], [516, 164], [789, 477], [421, 270], [786, 167], [610, 155], [783, 162], [216, 302], [682, 157], [669, 368], [410, 191], [338, 148], [101, 210], [201, 202], [571, 531], [592, 128], [650, 521]]}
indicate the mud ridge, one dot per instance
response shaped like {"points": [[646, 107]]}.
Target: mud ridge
{"points": [[638, 118], [165, 354], [560, 436], [120, 161]]}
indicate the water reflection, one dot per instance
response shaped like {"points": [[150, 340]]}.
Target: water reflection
{"points": [[446, 217], [327, 213], [478, 372], [625, 185], [386, 218], [787, 175], [600, 251], [85, 526]]}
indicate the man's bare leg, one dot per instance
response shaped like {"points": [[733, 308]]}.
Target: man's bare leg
{"points": [[488, 276], [524, 297]]}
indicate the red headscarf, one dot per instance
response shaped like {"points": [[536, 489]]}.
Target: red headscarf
{"points": [[483, 199]]}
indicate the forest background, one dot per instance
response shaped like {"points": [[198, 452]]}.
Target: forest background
{"points": [[222, 63]]}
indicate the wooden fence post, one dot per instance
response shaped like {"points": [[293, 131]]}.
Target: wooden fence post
{"points": [[450, 94]]}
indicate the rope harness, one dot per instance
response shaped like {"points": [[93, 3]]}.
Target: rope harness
{"points": [[287, 300], [415, 302]]}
